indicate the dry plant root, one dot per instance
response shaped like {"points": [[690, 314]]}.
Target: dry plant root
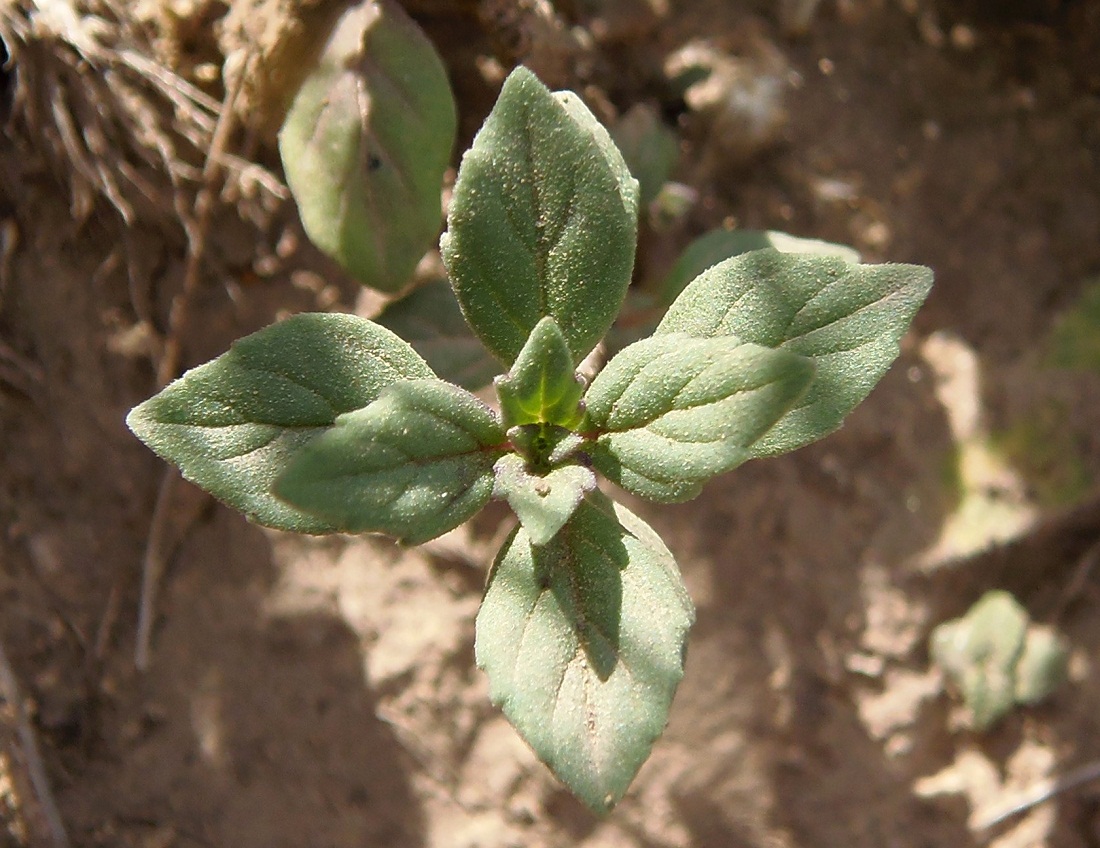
{"points": [[197, 227], [108, 122], [39, 822], [99, 114]]}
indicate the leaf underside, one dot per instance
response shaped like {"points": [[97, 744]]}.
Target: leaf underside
{"points": [[543, 222], [414, 464], [366, 142], [848, 319], [234, 424], [672, 411], [583, 642]]}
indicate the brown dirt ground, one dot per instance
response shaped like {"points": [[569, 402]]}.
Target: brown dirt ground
{"points": [[322, 692]]}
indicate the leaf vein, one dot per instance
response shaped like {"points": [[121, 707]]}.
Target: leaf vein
{"points": [[373, 72], [296, 382], [486, 288], [540, 251], [571, 211], [247, 451], [830, 323]]}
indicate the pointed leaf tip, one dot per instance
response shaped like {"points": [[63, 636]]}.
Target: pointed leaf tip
{"points": [[234, 424], [542, 502], [847, 318], [543, 221]]}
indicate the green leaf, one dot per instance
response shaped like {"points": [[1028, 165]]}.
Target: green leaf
{"points": [[543, 222], [998, 657], [366, 142], [414, 464], [672, 411], [1042, 667], [430, 320], [233, 424], [649, 147], [643, 312], [544, 446], [542, 386], [542, 502], [847, 318], [980, 651], [715, 246], [583, 642]]}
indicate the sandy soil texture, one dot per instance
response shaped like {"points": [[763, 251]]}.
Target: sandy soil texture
{"points": [[305, 692]]}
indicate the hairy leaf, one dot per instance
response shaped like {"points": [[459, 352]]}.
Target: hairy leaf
{"points": [[583, 642], [414, 464], [713, 247], [233, 424], [847, 318], [430, 320], [543, 222], [545, 444], [542, 386], [671, 411], [645, 312], [542, 502], [366, 142]]}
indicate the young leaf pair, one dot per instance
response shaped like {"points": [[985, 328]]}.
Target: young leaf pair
{"points": [[330, 423]]}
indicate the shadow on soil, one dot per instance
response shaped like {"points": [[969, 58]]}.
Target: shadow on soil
{"points": [[250, 730]]}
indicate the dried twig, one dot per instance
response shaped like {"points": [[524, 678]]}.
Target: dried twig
{"points": [[1078, 580], [197, 228], [39, 808], [157, 551], [1042, 792]]}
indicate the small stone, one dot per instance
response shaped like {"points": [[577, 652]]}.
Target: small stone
{"points": [[963, 37]]}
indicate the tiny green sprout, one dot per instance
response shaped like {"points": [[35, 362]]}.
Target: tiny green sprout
{"points": [[331, 423], [998, 659]]}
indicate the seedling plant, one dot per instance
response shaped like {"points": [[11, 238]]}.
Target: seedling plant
{"points": [[330, 423]]}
